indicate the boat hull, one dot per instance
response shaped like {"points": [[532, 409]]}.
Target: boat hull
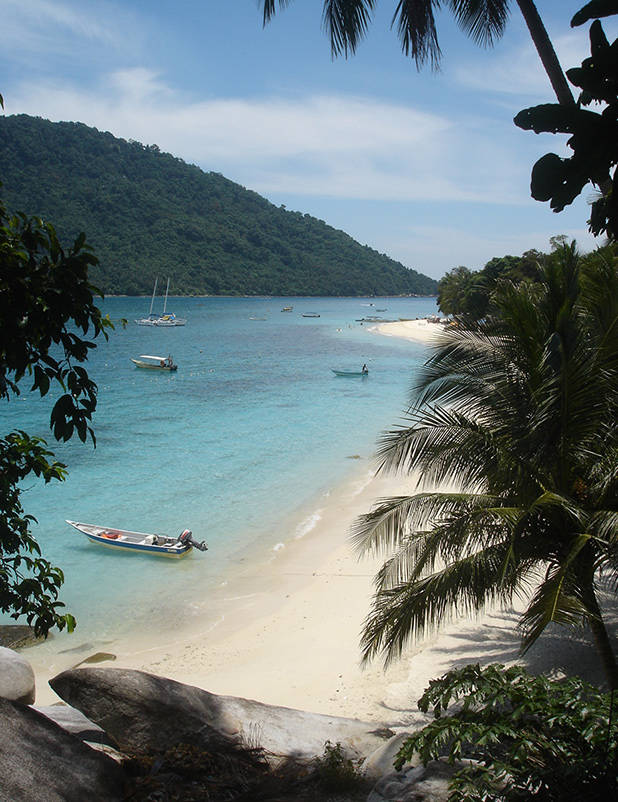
{"points": [[349, 373], [132, 542], [147, 366]]}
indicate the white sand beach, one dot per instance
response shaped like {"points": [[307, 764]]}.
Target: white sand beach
{"points": [[285, 629], [420, 330]]}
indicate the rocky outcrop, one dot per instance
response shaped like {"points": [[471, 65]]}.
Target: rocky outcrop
{"points": [[428, 783], [76, 723], [141, 711], [380, 762], [39, 760], [18, 636], [16, 677]]}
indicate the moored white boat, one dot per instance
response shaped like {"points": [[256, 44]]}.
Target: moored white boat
{"points": [[350, 372], [154, 362], [125, 540]]}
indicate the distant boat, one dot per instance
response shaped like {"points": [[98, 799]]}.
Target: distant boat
{"points": [[287, 308], [257, 318], [143, 542], [350, 372], [155, 362], [167, 319], [310, 314]]}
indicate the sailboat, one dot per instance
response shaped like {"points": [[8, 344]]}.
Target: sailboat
{"points": [[168, 318], [150, 320]]}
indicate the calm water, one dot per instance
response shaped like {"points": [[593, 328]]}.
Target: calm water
{"points": [[250, 432]]}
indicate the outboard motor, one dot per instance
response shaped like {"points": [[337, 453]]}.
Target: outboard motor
{"points": [[186, 538]]}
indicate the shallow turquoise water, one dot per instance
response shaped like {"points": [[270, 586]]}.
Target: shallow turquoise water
{"points": [[251, 429]]}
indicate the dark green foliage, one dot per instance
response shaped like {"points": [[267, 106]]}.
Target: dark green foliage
{"points": [[593, 136], [149, 214], [46, 304], [550, 740], [466, 293]]}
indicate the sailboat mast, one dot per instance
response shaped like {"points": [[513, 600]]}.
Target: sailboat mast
{"points": [[154, 292], [166, 291]]}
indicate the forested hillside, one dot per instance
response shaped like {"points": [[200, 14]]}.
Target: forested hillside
{"points": [[148, 214]]}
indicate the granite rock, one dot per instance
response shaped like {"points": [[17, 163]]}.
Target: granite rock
{"points": [[41, 761], [142, 711], [16, 677]]}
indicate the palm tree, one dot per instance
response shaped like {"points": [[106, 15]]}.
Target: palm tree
{"points": [[521, 412], [346, 23]]}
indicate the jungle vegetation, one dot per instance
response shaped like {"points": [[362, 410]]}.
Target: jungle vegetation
{"points": [[150, 214]]}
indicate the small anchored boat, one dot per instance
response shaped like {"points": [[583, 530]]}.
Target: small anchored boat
{"points": [[310, 314], [125, 540], [155, 362], [350, 372]]}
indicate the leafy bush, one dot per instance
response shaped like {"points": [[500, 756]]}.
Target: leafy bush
{"points": [[529, 736], [336, 771]]}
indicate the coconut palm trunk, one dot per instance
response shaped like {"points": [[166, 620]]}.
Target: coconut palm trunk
{"points": [[603, 643], [546, 52]]}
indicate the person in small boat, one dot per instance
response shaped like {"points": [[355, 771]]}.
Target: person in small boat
{"points": [[365, 369]]}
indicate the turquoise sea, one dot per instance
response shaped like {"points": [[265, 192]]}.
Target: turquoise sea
{"points": [[240, 445]]}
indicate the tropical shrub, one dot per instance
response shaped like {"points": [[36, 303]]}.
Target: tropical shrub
{"points": [[528, 737]]}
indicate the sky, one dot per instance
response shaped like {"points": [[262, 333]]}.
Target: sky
{"points": [[424, 166]]}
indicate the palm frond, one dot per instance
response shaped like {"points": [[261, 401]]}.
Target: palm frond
{"points": [[483, 20], [410, 610], [416, 27], [270, 7], [445, 446], [346, 23], [603, 526], [559, 599]]}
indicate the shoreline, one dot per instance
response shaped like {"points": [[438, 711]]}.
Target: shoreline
{"points": [[420, 330], [284, 626]]}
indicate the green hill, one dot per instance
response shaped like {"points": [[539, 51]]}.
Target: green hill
{"points": [[147, 213]]}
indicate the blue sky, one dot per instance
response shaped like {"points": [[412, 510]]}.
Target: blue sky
{"points": [[427, 167]]}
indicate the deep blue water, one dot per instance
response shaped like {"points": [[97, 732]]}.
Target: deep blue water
{"points": [[252, 428]]}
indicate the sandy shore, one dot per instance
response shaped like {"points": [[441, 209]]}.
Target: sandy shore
{"points": [[285, 630], [421, 330]]}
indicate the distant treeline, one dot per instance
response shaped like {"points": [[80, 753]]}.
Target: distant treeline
{"points": [[469, 293], [146, 213]]}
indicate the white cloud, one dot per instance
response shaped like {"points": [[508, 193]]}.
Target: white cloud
{"points": [[517, 70], [35, 30], [338, 146]]}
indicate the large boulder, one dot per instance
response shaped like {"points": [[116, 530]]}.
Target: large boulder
{"points": [[39, 760], [380, 762], [16, 677], [142, 712], [76, 723]]}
